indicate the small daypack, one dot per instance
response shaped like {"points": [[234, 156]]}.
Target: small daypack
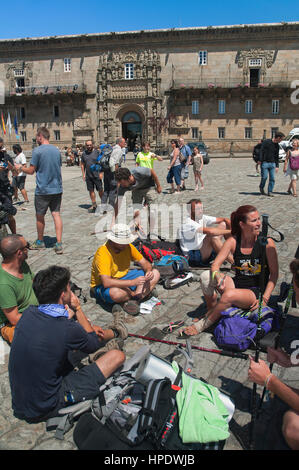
{"points": [[153, 250], [171, 266], [237, 328]]}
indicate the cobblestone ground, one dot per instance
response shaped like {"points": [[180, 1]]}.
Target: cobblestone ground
{"points": [[229, 183]]}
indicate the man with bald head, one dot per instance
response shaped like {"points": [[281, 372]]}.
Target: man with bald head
{"points": [[16, 292]]}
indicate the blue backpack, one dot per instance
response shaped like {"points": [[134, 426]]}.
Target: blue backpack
{"points": [[237, 328], [172, 265]]}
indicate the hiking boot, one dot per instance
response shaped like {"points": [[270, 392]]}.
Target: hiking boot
{"points": [[37, 245], [114, 343], [131, 307], [58, 248], [118, 322]]}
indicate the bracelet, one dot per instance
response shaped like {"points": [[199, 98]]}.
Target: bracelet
{"points": [[77, 308], [267, 380], [214, 274]]}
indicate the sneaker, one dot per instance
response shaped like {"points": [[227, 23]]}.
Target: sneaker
{"points": [[58, 248], [115, 343], [37, 245], [118, 322]]}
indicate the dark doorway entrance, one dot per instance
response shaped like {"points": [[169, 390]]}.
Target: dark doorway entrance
{"points": [[254, 77], [132, 129]]}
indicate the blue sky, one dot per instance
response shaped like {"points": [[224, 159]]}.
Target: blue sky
{"points": [[31, 18]]}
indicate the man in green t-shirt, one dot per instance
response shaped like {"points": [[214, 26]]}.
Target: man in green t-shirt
{"points": [[16, 292]]}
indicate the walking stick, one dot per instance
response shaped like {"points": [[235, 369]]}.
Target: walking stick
{"points": [[262, 238], [197, 348]]}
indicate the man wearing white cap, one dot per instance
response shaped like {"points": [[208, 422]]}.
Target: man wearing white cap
{"points": [[112, 281]]}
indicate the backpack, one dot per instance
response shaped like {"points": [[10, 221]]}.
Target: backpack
{"points": [[104, 157], [172, 265], [294, 163], [153, 250], [237, 328]]}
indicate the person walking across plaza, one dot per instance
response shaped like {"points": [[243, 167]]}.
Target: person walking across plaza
{"points": [[146, 158], [174, 169], [110, 183], [46, 163], [18, 182], [269, 155], [197, 159], [186, 152], [293, 174], [91, 177]]}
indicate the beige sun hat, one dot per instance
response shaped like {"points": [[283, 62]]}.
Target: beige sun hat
{"points": [[122, 234]]}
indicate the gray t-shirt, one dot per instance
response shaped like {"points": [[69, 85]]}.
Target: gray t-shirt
{"points": [[47, 162], [143, 177]]}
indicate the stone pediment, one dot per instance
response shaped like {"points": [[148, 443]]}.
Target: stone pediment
{"points": [[267, 57]]}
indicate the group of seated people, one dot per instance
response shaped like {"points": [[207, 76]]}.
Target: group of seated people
{"points": [[41, 372]]}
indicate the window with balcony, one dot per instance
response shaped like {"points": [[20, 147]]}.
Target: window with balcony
{"points": [[56, 111], [194, 131], [248, 133], [221, 132], [24, 136], [22, 113], [275, 106], [254, 78], [203, 57], [129, 71], [195, 107], [20, 85], [248, 106], [221, 106], [67, 65], [57, 135]]}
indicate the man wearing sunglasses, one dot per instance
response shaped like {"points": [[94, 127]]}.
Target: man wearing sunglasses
{"points": [[16, 292]]}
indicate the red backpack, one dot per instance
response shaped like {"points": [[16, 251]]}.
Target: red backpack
{"points": [[153, 250]]}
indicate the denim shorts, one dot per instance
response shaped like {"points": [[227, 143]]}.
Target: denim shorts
{"points": [[104, 293]]}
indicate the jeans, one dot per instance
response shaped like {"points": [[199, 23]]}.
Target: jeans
{"points": [[267, 168]]}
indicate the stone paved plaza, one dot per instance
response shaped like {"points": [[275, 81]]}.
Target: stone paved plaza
{"points": [[229, 183]]}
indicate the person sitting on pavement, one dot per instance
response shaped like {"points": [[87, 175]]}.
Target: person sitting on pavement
{"points": [[146, 158], [42, 378], [199, 240], [259, 373], [243, 290], [16, 292], [111, 280]]}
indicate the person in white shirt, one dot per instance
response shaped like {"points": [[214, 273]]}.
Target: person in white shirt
{"points": [[201, 236], [18, 181], [110, 183]]}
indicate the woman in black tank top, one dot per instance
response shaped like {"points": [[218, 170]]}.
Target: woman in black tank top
{"points": [[242, 290]]}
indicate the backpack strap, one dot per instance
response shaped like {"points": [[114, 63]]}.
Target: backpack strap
{"points": [[65, 421]]}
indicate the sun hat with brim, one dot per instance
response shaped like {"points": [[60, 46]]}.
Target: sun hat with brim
{"points": [[122, 234]]}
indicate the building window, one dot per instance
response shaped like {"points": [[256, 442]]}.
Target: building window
{"points": [[275, 106], [20, 85], [221, 132], [195, 107], [273, 131], [24, 136], [203, 57], [255, 62], [248, 132], [194, 132], [57, 135], [56, 111], [248, 106], [221, 106], [129, 71], [22, 113], [19, 73], [67, 65]]}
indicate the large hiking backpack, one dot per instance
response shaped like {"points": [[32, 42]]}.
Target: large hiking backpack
{"points": [[172, 265], [237, 328], [104, 157], [153, 250]]}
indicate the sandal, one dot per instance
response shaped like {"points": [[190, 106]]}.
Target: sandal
{"points": [[173, 325]]}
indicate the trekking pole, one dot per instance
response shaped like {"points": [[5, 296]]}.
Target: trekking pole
{"points": [[277, 339], [197, 348], [262, 238]]}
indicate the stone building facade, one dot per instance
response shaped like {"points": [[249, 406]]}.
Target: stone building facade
{"points": [[228, 86]]}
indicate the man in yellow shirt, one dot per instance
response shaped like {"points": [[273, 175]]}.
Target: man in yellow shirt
{"points": [[146, 158], [111, 280]]}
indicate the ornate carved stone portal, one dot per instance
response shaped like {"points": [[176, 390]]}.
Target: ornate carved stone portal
{"points": [[128, 81], [257, 57]]}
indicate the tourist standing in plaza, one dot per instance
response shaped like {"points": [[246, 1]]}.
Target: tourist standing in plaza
{"points": [[110, 183], [174, 169], [146, 158], [46, 163], [197, 159], [293, 174], [18, 182], [6, 164], [186, 152], [269, 156], [91, 177]]}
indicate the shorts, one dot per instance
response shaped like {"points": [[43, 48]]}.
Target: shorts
{"points": [[184, 171], [93, 182], [208, 285], [43, 202], [147, 195], [195, 258], [104, 293], [289, 339], [174, 172], [18, 182]]}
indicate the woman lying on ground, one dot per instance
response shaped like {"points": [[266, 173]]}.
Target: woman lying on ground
{"points": [[259, 372], [242, 291]]}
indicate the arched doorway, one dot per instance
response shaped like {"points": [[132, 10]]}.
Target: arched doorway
{"points": [[132, 128]]}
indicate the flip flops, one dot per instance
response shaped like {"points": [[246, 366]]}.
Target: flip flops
{"points": [[172, 326]]}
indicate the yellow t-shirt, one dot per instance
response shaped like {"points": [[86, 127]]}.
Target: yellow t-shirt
{"points": [[116, 265], [146, 159]]}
